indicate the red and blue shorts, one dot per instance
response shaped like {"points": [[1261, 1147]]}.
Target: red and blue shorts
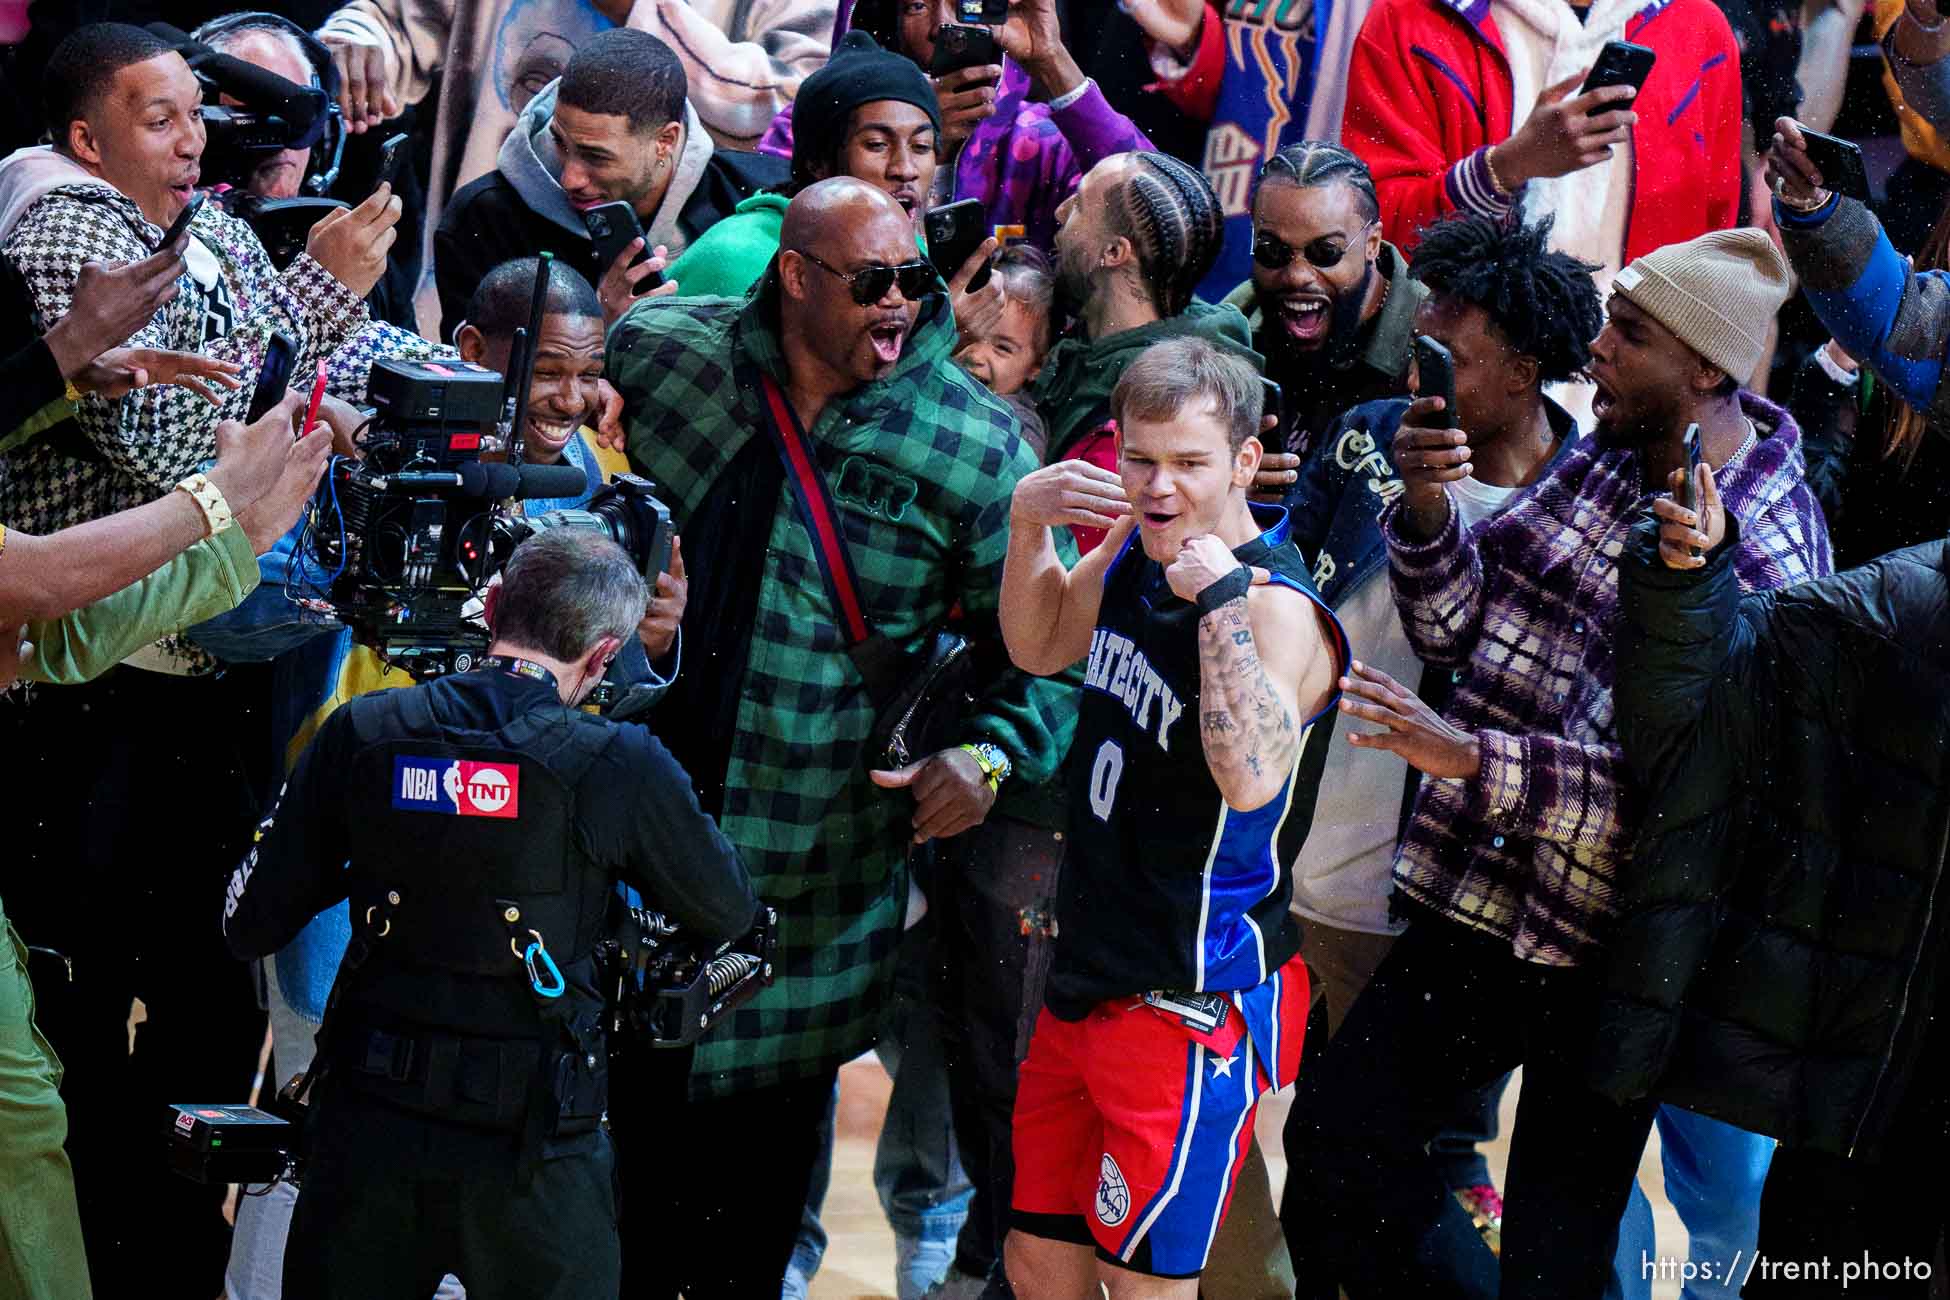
{"points": [[1131, 1124]]}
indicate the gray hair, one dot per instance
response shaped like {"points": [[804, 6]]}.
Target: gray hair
{"points": [[1169, 376], [225, 37], [566, 589]]}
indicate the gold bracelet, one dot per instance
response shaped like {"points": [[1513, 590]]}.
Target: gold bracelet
{"points": [[3, 539], [1490, 167], [209, 499], [72, 393]]}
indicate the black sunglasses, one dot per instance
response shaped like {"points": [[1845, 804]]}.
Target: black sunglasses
{"points": [[869, 284], [1274, 253]]}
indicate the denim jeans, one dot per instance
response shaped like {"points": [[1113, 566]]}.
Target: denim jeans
{"points": [[1714, 1174], [267, 623], [917, 1169], [810, 1249]]}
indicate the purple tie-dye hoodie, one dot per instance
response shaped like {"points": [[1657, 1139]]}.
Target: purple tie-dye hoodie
{"points": [[1022, 162]]}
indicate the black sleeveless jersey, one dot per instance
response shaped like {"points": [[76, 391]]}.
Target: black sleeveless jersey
{"points": [[1165, 887]]}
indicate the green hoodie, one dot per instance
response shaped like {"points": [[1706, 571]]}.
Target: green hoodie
{"points": [[1073, 390], [732, 254]]}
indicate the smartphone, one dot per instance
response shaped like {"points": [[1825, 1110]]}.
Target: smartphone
{"points": [[1275, 406], [957, 46], [274, 377], [955, 231], [392, 156], [992, 12], [183, 218], [1840, 163], [1435, 371], [612, 226], [1620, 63], [317, 396], [1688, 492]]}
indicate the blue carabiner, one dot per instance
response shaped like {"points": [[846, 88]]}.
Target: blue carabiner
{"points": [[535, 981]]}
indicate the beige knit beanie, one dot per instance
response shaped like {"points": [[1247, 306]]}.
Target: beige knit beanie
{"points": [[1718, 293]]}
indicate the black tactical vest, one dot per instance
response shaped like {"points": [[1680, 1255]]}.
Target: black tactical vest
{"points": [[464, 858]]}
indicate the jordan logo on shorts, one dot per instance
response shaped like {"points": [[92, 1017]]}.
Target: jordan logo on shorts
{"points": [[1113, 1197]]}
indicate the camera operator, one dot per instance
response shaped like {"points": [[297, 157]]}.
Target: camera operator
{"points": [[278, 46], [461, 1082], [263, 178]]}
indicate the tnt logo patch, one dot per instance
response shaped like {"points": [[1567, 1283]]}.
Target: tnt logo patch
{"points": [[456, 788]]}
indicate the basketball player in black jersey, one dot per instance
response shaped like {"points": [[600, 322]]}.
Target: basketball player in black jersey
{"points": [[1177, 996]]}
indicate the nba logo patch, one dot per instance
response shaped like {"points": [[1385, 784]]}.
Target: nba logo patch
{"points": [[456, 788]]}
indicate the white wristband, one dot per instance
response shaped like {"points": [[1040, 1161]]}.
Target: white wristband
{"points": [[1068, 98]]}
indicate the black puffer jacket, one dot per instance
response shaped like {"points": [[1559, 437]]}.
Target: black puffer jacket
{"points": [[1782, 931]]}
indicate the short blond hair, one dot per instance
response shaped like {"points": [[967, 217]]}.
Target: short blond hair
{"points": [[1169, 376]]}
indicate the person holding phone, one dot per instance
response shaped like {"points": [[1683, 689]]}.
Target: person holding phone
{"points": [[1881, 310], [124, 165], [1720, 997], [72, 604], [1020, 156], [1513, 315], [1487, 109], [618, 126], [1511, 865]]}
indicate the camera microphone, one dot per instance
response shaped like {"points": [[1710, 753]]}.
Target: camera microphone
{"points": [[495, 482]]}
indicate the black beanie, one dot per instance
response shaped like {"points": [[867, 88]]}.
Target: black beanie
{"points": [[859, 72]]}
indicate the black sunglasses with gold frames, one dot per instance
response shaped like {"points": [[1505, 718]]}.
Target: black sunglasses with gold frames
{"points": [[869, 284], [1275, 254]]}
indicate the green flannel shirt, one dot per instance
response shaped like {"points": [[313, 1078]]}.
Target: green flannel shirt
{"points": [[921, 466]]}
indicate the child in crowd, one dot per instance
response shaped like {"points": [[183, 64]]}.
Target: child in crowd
{"points": [[1004, 346]]}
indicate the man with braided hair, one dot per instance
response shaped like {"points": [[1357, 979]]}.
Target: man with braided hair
{"points": [[1140, 232], [1331, 303]]}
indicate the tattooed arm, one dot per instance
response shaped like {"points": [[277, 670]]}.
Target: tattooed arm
{"points": [[1265, 669]]}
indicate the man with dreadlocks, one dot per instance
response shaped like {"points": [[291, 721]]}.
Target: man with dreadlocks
{"points": [[1514, 862], [1516, 316], [1330, 301]]}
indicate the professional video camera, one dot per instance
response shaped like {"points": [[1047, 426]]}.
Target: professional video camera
{"points": [[405, 540], [664, 989], [270, 114]]}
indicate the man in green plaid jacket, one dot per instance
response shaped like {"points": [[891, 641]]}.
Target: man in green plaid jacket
{"points": [[770, 716]]}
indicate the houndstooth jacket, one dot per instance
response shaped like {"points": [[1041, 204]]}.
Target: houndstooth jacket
{"points": [[121, 453]]}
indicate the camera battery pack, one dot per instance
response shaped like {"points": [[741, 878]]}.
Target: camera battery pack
{"points": [[226, 1144]]}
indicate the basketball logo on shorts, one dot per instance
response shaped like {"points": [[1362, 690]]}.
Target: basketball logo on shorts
{"points": [[1113, 1197]]}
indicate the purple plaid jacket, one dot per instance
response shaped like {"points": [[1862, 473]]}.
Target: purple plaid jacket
{"points": [[1524, 610]]}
